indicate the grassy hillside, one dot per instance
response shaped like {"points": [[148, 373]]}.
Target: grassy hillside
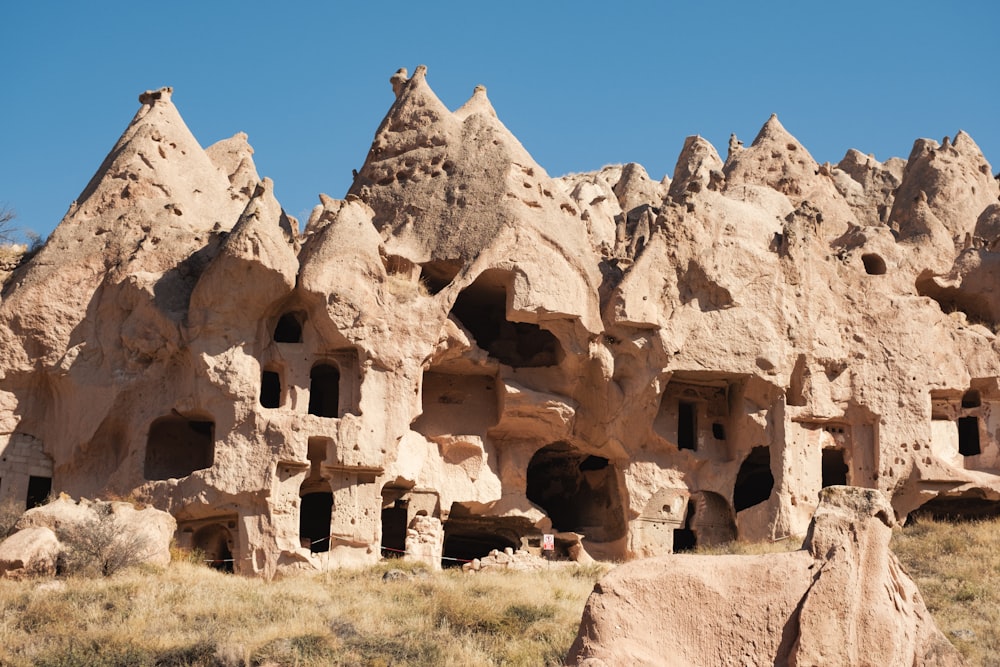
{"points": [[188, 614]]}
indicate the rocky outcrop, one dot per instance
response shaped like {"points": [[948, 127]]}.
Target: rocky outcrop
{"points": [[842, 600], [640, 364], [29, 552], [44, 534]]}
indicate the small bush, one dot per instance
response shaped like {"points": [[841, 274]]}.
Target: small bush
{"points": [[100, 546]]}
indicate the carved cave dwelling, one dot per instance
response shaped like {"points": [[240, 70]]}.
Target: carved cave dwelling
{"points": [[465, 353]]}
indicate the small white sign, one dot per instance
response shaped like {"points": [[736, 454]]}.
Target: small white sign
{"points": [[548, 542]]}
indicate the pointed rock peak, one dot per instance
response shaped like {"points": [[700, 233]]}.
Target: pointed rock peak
{"points": [[854, 158], [414, 97], [635, 188], [698, 149], [965, 145], [263, 212], [695, 164], [478, 103], [774, 132], [633, 176], [735, 146], [234, 156], [922, 147], [155, 158], [634, 170], [402, 85], [857, 163], [151, 97], [775, 159]]}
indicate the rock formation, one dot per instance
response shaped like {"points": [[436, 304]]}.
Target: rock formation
{"points": [[111, 534], [634, 365], [841, 601]]}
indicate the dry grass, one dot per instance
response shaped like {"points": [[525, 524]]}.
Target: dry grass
{"points": [[957, 569], [190, 615], [405, 289], [792, 543]]}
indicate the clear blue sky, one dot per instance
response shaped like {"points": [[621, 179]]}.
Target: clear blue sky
{"points": [[581, 84]]}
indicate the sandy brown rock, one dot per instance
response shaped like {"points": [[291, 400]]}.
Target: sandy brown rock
{"points": [[29, 552], [153, 528], [463, 339], [842, 600]]}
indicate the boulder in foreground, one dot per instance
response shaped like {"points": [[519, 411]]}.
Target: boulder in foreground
{"points": [[842, 600]]}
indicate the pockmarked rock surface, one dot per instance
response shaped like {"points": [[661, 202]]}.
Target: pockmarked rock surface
{"points": [[465, 353], [841, 601]]}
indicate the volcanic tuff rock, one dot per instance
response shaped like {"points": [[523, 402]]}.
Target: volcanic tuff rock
{"points": [[635, 365], [34, 548], [840, 601]]}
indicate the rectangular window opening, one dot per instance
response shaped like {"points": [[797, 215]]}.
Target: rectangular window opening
{"points": [[39, 489], [687, 427], [968, 436]]}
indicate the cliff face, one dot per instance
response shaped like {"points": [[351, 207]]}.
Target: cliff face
{"points": [[631, 364]]}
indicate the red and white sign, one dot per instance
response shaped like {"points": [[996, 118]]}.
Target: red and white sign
{"points": [[548, 542]]}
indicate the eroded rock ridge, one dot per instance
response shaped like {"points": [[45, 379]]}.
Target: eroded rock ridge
{"points": [[465, 353]]}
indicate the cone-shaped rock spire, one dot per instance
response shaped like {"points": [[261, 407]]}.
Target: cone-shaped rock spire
{"points": [[452, 186], [155, 201]]}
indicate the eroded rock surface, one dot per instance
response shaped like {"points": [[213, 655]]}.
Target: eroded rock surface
{"points": [[44, 533], [843, 600], [642, 364]]}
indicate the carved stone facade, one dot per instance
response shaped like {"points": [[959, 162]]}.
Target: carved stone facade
{"points": [[633, 365]]}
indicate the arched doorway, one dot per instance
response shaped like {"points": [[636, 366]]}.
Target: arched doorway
{"points": [[324, 390], [216, 543], [578, 491]]}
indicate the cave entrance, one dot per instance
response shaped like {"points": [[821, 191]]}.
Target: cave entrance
{"points": [[463, 547], [395, 520], [438, 275], [270, 388], [324, 391], [482, 309], [215, 542], [289, 328], [968, 436], [468, 536], [970, 506], [694, 413], [316, 514], [39, 489], [687, 425], [972, 399], [874, 264], [835, 468], [316, 500], [713, 521], [754, 481], [578, 491], [178, 445], [684, 538]]}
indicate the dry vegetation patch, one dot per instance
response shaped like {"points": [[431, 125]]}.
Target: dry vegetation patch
{"points": [[957, 568], [187, 614]]}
